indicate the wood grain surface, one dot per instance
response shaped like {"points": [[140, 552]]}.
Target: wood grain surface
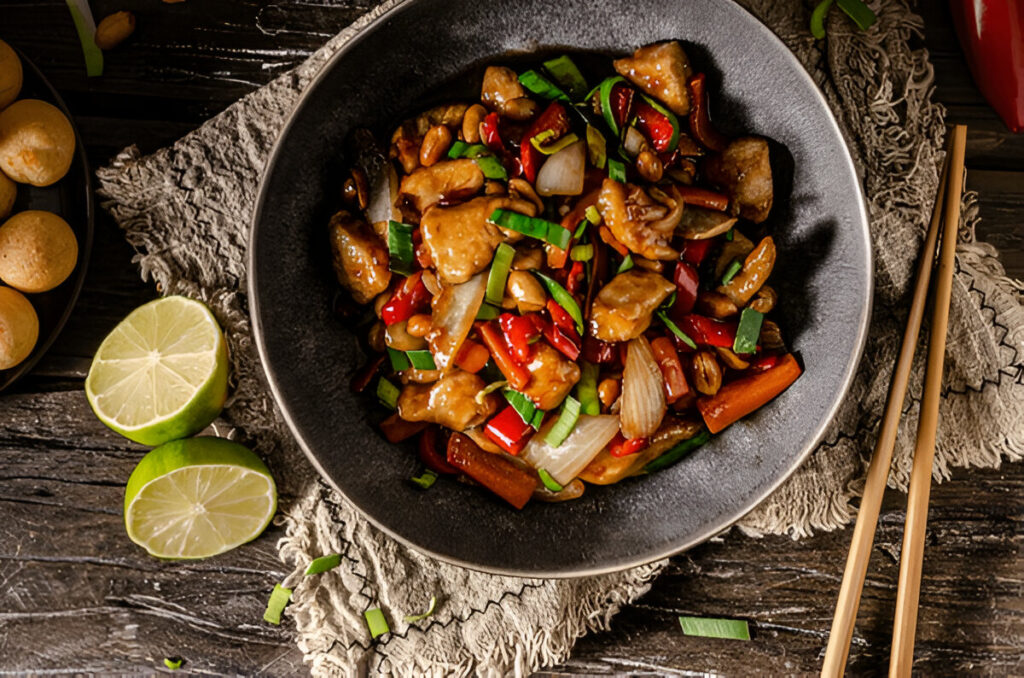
{"points": [[77, 597]]}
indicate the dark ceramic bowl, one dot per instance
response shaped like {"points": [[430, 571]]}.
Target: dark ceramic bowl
{"points": [[71, 198], [823, 278]]}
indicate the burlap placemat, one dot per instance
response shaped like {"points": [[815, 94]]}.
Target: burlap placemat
{"points": [[186, 210]]}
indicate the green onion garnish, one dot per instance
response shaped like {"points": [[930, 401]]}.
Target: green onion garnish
{"points": [[541, 86], [596, 147], [626, 264], [582, 253], [524, 406], [498, 275], [421, 360], [548, 481], [730, 235], [491, 167], [410, 618], [425, 480], [173, 664], [748, 331], [487, 390], [604, 91], [551, 149], [535, 227], [387, 393], [85, 26], [675, 329], [399, 361], [279, 598], [568, 415], [581, 229], [563, 299], [487, 312], [565, 73], [859, 12], [616, 170], [400, 247], [541, 137], [733, 629], [677, 452], [376, 622], [731, 271], [818, 18], [460, 149], [323, 563], [586, 388], [593, 216]]}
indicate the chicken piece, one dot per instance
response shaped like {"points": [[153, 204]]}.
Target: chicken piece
{"points": [[622, 309], [605, 469], [448, 180], [552, 376], [638, 221], [360, 259], [745, 173], [450, 401], [459, 239], [502, 91], [662, 71]]}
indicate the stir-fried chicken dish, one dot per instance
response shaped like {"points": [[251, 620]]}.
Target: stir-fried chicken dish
{"points": [[568, 278]]}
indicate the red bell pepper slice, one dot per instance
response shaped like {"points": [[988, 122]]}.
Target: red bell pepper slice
{"points": [[408, 299], [708, 331], [519, 333], [517, 375], [687, 282], [490, 134], [621, 446], [654, 126], [433, 458], [555, 118], [702, 197], [694, 251], [597, 351], [700, 120], [509, 431]]}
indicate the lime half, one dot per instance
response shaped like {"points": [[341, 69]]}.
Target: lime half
{"points": [[198, 497], [162, 373]]}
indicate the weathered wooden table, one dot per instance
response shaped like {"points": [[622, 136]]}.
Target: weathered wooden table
{"points": [[77, 597]]}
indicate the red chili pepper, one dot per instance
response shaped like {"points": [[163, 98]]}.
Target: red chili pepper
{"points": [[622, 102], [694, 251], [519, 333], [621, 446], [566, 341], [687, 282], [702, 197], [763, 364], [561, 317], [675, 382], [575, 279], [554, 118], [708, 331], [433, 458], [700, 120], [509, 431], [517, 375], [490, 134], [409, 298], [654, 126], [597, 351]]}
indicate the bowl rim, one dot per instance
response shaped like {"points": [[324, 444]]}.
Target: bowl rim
{"points": [[619, 564]]}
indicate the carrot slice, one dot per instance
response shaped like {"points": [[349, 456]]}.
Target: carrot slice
{"points": [[739, 398], [494, 472]]}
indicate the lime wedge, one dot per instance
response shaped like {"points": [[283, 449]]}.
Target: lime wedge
{"points": [[162, 373], [198, 497]]}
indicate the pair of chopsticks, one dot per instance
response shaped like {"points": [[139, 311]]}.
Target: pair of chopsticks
{"points": [[945, 218]]}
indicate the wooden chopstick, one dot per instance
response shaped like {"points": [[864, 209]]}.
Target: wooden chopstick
{"points": [[878, 471], [901, 659]]}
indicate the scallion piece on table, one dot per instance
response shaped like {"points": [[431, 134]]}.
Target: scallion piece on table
{"points": [[399, 361], [818, 18], [678, 452], [460, 149], [410, 618], [491, 167], [498, 275], [173, 664], [859, 12], [421, 360], [400, 247], [524, 406], [586, 388], [535, 227], [673, 141], [387, 393], [593, 216], [487, 312], [748, 331], [85, 26], [733, 629], [541, 86], [604, 93], [376, 622], [616, 171], [731, 271], [674, 329], [563, 299], [425, 480], [279, 598], [568, 415], [551, 149], [582, 252], [597, 148], [323, 563], [565, 73], [626, 264], [548, 481]]}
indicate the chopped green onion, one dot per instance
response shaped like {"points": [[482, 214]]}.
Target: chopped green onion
{"points": [[586, 388], [399, 361], [541, 137], [563, 299], [173, 664], [604, 91], [376, 622], [669, 302], [400, 247], [541, 86], [568, 415], [859, 12], [279, 598], [730, 235], [673, 141], [616, 170], [626, 264], [581, 229], [675, 330], [818, 18], [731, 271], [498, 275], [551, 149], [733, 629], [410, 618], [85, 26], [460, 149], [593, 216], [487, 312], [421, 360], [387, 393], [559, 237], [748, 331], [524, 406], [487, 390], [596, 147], [677, 452], [582, 253], [425, 480], [548, 481], [535, 227], [323, 563], [491, 167], [564, 71]]}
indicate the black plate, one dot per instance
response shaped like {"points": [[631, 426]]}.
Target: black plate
{"points": [[823, 277], [71, 198]]}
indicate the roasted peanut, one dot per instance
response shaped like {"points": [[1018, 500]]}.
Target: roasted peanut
{"points": [[522, 108], [436, 143], [419, 324], [731, 359], [715, 305], [527, 258], [114, 29], [408, 153], [754, 274], [765, 300], [608, 391], [494, 188], [707, 375], [649, 166], [379, 301], [526, 291], [375, 337], [771, 337], [523, 188], [471, 123], [397, 336]]}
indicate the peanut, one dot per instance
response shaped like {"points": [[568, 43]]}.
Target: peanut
{"points": [[419, 324], [649, 166], [114, 29], [526, 291], [436, 143], [707, 375], [471, 123], [608, 391]]}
